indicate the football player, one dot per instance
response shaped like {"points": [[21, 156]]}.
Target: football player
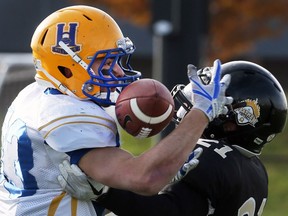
{"points": [[228, 179], [79, 54]]}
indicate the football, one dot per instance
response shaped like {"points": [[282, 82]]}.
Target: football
{"points": [[144, 108]]}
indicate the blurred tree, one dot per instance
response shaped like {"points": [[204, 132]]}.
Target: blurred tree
{"points": [[233, 28], [236, 25], [137, 11]]}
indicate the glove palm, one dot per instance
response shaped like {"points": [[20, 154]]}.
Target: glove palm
{"points": [[190, 164], [77, 184]]}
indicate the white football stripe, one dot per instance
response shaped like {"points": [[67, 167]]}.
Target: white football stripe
{"points": [[148, 119]]}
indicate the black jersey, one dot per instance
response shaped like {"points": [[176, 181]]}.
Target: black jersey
{"points": [[225, 183]]}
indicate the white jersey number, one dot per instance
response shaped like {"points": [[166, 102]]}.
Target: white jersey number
{"points": [[221, 151], [248, 208]]}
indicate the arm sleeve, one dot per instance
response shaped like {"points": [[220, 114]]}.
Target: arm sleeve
{"points": [[177, 199]]}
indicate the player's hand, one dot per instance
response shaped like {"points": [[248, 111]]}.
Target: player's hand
{"points": [[77, 184], [210, 96], [190, 164]]}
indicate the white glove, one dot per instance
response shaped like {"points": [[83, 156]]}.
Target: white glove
{"points": [[190, 164], [77, 184], [210, 97]]}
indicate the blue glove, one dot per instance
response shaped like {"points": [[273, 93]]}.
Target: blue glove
{"points": [[190, 164], [210, 97]]}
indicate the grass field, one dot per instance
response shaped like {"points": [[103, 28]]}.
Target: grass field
{"points": [[277, 204], [275, 158]]}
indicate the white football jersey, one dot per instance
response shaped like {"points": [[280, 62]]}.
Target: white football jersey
{"points": [[37, 131]]}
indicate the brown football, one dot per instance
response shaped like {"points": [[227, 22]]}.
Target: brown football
{"points": [[144, 108]]}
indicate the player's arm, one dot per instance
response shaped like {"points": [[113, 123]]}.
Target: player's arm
{"points": [[151, 171], [78, 185], [177, 199]]}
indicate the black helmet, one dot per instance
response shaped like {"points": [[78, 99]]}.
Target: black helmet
{"points": [[258, 111], [259, 108]]}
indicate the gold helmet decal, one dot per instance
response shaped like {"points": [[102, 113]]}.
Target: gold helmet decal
{"points": [[248, 114]]}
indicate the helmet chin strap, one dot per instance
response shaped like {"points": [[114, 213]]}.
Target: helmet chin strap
{"points": [[61, 86], [73, 55], [78, 60], [103, 95]]}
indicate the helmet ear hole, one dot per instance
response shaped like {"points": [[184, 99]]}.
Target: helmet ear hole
{"points": [[65, 71]]}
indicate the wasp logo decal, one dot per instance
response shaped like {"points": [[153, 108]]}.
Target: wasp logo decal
{"points": [[248, 114]]}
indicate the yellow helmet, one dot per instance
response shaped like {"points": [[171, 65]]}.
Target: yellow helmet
{"points": [[73, 38]]}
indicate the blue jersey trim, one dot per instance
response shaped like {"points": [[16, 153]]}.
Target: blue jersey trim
{"points": [[52, 91], [76, 155]]}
